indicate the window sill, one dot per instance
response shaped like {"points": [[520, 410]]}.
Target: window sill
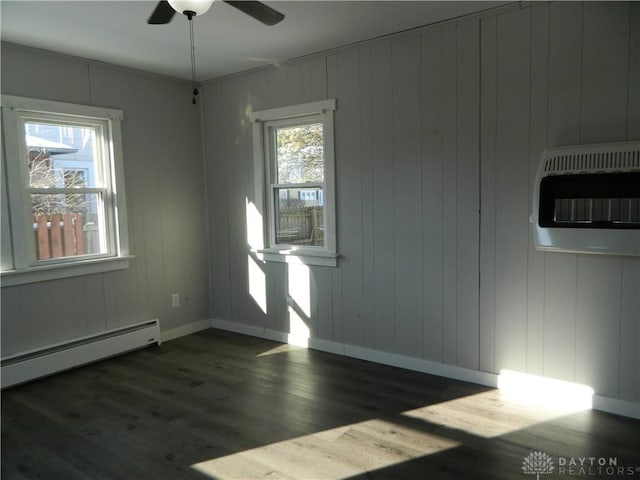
{"points": [[302, 256], [53, 272]]}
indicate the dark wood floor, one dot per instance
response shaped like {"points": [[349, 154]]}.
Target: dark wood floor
{"points": [[217, 405]]}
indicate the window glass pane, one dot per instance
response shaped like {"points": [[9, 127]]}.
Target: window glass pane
{"points": [[67, 225], [299, 216], [61, 156], [299, 152]]}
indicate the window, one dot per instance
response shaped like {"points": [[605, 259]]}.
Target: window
{"points": [[294, 153], [66, 198]]}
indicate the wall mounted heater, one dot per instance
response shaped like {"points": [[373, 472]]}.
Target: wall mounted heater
{"points": [[26, 366], [587, 199]]}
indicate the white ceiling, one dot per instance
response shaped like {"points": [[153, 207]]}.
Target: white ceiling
{"points": [[227, 41]]}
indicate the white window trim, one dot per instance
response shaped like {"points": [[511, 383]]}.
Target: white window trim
{"points": [[24, 269], [326, 255]]}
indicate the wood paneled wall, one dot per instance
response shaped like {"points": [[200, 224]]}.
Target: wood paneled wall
{"points": [[438, 136], [165, 196]]}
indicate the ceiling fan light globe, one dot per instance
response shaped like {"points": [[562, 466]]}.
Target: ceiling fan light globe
{"points": [[196, 6]]}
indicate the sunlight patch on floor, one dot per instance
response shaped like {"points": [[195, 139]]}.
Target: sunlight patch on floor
{"points": [[280, 349], [350, 450], [539, 391], [335, 453], [491, 414]]}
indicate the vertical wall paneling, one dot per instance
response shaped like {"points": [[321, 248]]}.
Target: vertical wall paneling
{"points": [[95, 304], [217, 201], [11, 338], [33, 330], [384, 290], [277, 80], [488, 115], [629, 376], [605, 54], [633, 83], [598, 323], [69, 311], [468, 185], [294, 83], [512, 154], [407, 177], [317, 86], [231, 101], [563, 120], [335, 288], [111, 300], [450, 194], [6, 258], [63, 81], [603, 118], [432, 194], [630, 301], [277, 286], [539, 61], [367, 110], [349, 198]]}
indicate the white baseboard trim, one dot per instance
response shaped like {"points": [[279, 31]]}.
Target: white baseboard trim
{"points": [[423, 366], [377, 356], [183, 330], [616, 406], [601, 403]]}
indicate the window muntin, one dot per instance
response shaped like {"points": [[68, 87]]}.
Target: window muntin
{"points": [[67, 211]]}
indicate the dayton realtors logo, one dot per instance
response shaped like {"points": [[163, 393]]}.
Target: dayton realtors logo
{"points": [[540, 463], [537, 463]]}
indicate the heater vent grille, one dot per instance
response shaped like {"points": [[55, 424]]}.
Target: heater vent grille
{"points": [[614, 160]]}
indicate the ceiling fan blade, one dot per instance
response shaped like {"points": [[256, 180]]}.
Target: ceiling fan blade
{"points": [[258, 10], [162, 14]]}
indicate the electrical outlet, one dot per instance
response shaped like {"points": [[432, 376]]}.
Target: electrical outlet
{"points": [[175, 300]]}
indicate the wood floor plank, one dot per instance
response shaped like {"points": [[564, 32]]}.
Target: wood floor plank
{"points": [[217, 405]]}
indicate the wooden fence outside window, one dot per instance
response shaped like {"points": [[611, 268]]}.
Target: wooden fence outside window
{"points": [[64, 235]]}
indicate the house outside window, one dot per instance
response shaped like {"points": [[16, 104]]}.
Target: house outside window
{"points": [[67, 213], [295, 159]]}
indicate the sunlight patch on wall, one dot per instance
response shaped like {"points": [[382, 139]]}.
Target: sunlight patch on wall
{"points": [[255, 231], [257, 283], [545, 392], [337, 453], [299, 332], [299, 279], [299, 303]]}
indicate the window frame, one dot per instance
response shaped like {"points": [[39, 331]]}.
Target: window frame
{"points": [[26, 268], [265, 123]]}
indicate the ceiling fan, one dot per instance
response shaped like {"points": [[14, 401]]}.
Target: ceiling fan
{"points": [[165, 10]]}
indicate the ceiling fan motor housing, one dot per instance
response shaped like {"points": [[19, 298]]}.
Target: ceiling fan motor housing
{"points": [[191, 8]]}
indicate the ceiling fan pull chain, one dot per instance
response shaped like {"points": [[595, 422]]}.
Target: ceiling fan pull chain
{"points": [[193, 57]]}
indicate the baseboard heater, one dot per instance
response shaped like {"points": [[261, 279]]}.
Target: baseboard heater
{"points": [[26, 366]]}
